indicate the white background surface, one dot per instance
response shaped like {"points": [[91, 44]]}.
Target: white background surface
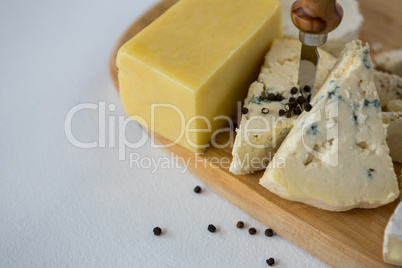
{"points": [[61, 206]]}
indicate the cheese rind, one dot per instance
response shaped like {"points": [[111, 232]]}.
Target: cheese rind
{"points": [[336, 157], [392, 249], [259, 135], [196, 60]]}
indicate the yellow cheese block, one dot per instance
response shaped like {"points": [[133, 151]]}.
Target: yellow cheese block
{"points": [[193, 64]]}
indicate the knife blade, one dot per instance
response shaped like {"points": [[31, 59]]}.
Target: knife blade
{"points": [[309, 59]]}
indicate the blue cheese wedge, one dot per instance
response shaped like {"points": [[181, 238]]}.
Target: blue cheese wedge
{"points": [[392, 249], [262, 130], [389, 88], [336, 156], [394, 134], [390, 61]]}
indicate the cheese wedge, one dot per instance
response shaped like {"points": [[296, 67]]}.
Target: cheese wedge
{"points": [[394, 134], [259, 135], [336, 156], [182, 75], [389, 88], [390, 61], [392, 249]]}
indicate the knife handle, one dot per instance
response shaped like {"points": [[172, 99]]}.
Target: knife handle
{"points": [[316, 16]]}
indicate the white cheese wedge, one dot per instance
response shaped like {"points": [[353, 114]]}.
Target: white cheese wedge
{"points": [[392, 249], [390, 61], [347, 31], [394, 134], [336, 156], [259, 135], [389, 87]]}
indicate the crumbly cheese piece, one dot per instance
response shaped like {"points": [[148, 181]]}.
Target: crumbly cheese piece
{"points": [[392, 249], [394, 106], [347, 31], [389, 87], [390, 61], [394, 134], [183, 74], [259, 135], [336, 156]]}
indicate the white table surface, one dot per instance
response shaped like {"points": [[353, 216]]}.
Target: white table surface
{"points": [[63, 206]]}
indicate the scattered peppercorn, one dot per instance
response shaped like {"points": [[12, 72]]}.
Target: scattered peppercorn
{"points": [[244, 110], [240, 224], [282, 112], [252, 231], [197, 189], [301, 99], [288, 114], [271, 97], [307, 88], [264, 110], [288, 107], [271, 261], [211, 228], [292, 99], [157, 231], [269, 232], [278, 97], [297, 111], [308, 107], [293, 90]]}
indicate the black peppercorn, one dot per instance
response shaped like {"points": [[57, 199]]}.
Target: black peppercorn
{"points": [[307, 88], [197, 189], [293, 90], [301, 99], [211, 228], [278, 97], [271, 261], [297, 111], [308, 107], [292, 99], [271, 97], [269, 232], [264, 110], [252, 231], [240, 225], [157, 231], [244, 110], [288, 114], [282, 112]]}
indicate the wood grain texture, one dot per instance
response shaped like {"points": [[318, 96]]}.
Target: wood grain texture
{"points": [[316, 16], [341, 239]]}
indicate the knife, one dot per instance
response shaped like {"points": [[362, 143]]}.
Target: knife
{"points": [[315, 19]]}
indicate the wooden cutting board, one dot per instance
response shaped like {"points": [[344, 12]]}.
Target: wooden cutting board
{"points": [[341, 239]]}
